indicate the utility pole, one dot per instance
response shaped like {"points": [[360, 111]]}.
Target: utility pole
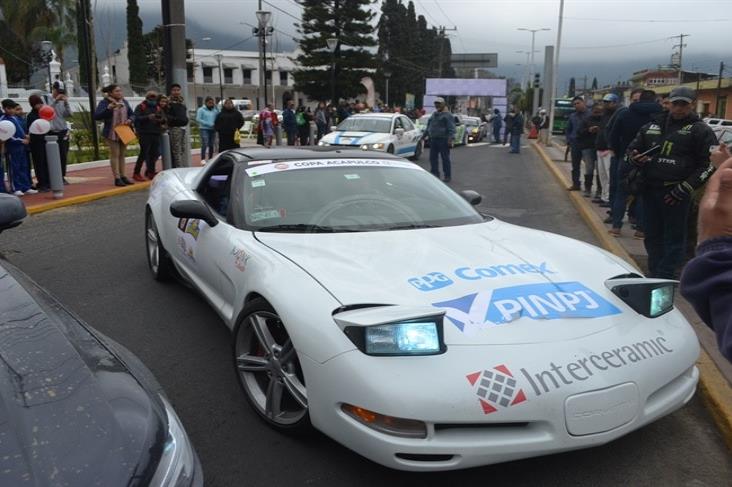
{"points": [[87, 57], [681, 46], [262, 79], [555, 71], [719, 91], [441, 36]]}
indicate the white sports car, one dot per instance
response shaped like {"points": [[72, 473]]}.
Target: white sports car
{"points": [[369, 300], [385, 132]]}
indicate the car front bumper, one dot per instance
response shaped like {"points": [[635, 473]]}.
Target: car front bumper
{"points": [[546, 412]]}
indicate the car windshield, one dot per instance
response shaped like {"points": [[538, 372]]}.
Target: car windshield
{"points": [[358, 195], [472, 123], [366, 124]]}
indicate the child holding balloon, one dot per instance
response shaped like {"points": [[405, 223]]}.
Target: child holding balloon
{"points": [[15, 148]]}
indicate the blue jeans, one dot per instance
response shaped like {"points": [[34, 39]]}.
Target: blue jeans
{"points": [[496, 135], [208, 139], [665, 230], [18, 167], [515, 143], [439, 146]]}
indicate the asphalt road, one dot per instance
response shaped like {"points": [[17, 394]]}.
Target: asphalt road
{"points": [[92, 258]]}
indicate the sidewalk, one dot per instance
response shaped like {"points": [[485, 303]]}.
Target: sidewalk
{"points": [[91, 181], [715, 370]]}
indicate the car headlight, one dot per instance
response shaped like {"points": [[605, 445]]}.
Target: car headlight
{"points": [[377, 146], [365, 147], [323, 143], [649, 297], [408, 338], [178, 463]]}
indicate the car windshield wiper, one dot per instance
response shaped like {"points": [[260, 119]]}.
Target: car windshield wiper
{"points": [[411, 226], [303, 228]]}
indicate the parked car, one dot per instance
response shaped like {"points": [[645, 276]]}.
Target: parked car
{"points": [[476, 128], [369, 300], [718, 122], [384, 132], [78, 408]]}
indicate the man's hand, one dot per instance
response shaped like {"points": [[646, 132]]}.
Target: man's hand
{"points": [[26, 140], [715, 209], [451, 143], [593, 129], [677, 194], [720, 155], [635, 155]]}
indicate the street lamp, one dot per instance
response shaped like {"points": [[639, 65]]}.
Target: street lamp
{"points": [[47, 53], [332, 43], [219, 57], [263, 18]]}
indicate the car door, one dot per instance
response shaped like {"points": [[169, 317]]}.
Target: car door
{"points": [[398, 139], [411, 136], [200, 247]]}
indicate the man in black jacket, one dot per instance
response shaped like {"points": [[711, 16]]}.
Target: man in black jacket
{"points": [[678, 165], [148, 121], [177, 115]]}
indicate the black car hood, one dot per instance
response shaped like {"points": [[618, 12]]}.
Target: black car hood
{"points": [[70, 411]]}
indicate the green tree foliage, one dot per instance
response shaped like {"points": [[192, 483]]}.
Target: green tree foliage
{"points": [[154, 58], [136, 48], [410, 50], [349, 21], [24, 23]]}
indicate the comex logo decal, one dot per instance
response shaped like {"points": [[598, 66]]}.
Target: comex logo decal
{"points": [[496, 388], [546, 301], [438, 280]]}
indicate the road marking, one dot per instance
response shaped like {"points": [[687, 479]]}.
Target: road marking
{"points": [[478, 144]]}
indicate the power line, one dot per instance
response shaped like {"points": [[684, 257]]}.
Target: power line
{"points": [[281, 10], [434, 21], [15, 56], [649, 21], [619, 45]]}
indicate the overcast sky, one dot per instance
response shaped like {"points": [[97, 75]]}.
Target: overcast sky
{"points": [[626, 32]]}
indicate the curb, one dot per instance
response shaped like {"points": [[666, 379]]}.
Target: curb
{"points": [[715, 390], [85, 198]]}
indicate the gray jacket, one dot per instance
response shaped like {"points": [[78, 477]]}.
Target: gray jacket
{"points": [[63, 111], [441, 125]]}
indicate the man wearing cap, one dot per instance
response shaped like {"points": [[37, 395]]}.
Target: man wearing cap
{"points": [[441, 131], [17, 153], [575, 121], [678, 165], [602, 145]]}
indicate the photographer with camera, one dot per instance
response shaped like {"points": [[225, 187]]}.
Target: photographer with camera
{"points": [[149, 120], [60, 105]]}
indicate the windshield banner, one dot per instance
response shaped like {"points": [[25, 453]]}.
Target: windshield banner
{"points": [[320, 163]]}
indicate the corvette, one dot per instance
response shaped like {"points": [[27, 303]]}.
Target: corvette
{"points": [[372, 302]]}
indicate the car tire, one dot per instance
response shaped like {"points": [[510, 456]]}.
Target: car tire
{"points": [[268, 369], [390, 149], [158, 260], [417, 152]]}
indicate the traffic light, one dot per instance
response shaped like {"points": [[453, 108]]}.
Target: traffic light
{"points": [[537, 81]]}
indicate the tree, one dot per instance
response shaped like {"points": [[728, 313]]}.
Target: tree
{"points": [[136, 48], [349, 21], [155, 64], [572, 89], [594, 84], [23, 24]]}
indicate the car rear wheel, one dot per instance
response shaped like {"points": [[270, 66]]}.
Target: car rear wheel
{"points": [[269, 370], [158, 260]]}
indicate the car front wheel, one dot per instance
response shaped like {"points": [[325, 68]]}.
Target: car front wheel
{"points": [[158, 260], [268, 368], [417, 152]]}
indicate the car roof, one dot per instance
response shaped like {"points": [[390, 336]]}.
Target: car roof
{"points": [[376, 115], [315, 152]]}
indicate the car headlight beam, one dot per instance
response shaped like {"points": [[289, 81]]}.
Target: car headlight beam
{"points": [[407, 338]]}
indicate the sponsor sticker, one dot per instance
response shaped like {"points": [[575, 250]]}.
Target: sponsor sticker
{"points": [[499, 387], [257, 183], [544, 301], [264, 215], [438, 280], [189, 229], [325, 163], [240, 258]]}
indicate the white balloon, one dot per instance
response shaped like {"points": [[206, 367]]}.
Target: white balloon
{"points": [[7, 130], [40, 127]]}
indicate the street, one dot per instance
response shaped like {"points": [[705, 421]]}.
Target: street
{"points": [[92, 257]]}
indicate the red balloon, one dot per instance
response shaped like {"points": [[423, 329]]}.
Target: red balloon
{"points": [[47, 113]]}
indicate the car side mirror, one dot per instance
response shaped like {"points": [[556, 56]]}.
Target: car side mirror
{"points": [[399, 132], [472, 197], [193, 209], [333, 128], [12, 211]]}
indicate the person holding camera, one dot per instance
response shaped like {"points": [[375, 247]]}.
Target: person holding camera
{"points": [[149, 120], [60, 105], [673, 152]]}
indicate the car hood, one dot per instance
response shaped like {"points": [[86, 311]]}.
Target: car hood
{"points": [[354, 138], [70, 412], [498, 283]]}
